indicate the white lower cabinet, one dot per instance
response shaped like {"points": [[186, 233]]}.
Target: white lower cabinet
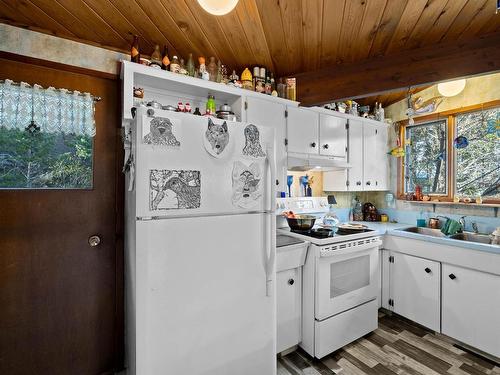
{"points": [[288, 308], [471, 307], [416, 292]]}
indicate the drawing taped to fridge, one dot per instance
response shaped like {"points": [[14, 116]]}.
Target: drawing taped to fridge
{"points": [[174, 189]]}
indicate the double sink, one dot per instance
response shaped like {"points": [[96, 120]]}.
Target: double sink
{"points": [[463, 236]]}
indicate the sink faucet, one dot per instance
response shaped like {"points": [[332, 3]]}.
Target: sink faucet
{"points": [[474, 228], [462, 222]]}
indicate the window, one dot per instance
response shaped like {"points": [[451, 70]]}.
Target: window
{"points": [[454, 154], [426, 161], [46, 137]]}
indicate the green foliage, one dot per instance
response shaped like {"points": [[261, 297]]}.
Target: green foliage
{"points": [[44, 160]]}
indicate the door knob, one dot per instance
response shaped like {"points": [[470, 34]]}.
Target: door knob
{"points": [[313, 144], [368, 183], [428, 270], [358, 183], [452, 276], [94, 240], [291, 281], [325, 146]]}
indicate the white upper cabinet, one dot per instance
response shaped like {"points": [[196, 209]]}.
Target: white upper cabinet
{"points": [[271, 114], [375, 161], [302, 131], [332, 136], [355, 159]]}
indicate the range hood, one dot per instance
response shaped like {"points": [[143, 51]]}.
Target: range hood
{"points": [[306, 162]]}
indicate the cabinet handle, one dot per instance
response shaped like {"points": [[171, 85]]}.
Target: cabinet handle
{"points": [[428, 270], [452, 276], [358, 183], [291, 281], [368, 183], [313, 144], [325, 146]]}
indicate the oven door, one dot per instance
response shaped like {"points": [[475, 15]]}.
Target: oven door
{"points": [[346, 276]]}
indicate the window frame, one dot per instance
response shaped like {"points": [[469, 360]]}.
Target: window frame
{"points": [[450, 116]]}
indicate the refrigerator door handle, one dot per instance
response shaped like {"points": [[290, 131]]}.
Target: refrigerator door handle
{"points": [[272, 240]]}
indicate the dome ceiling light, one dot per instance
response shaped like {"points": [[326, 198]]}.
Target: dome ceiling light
{"points": [[451, 88], [218, 7]]}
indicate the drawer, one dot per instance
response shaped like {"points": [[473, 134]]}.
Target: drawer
{"points": [[292, 256], [339, 330]]}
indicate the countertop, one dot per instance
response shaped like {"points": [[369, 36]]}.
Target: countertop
{"points": [[393, 229]]}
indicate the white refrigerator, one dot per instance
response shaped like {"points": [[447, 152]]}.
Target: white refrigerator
{"points": [[200, 246]]}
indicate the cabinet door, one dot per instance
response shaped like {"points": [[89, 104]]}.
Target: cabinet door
{"points": [[288, 308], [271, 114], [416, 289], [332, 136], [471, 308], [355, 155], [375, 161], [335, 180], [302, 131]]}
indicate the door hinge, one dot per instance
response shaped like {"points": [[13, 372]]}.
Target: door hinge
{"points": [[286, 141], [391, 259], [286, 113], [391, 302], [376, 131], [347, 125], [246, 105], [347, 183]]}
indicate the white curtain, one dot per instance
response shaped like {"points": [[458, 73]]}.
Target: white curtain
{"points": [[52, 110]]}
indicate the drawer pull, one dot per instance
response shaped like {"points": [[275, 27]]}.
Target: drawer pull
{"points": [[428, 270], [452, 276], [291, 281]]}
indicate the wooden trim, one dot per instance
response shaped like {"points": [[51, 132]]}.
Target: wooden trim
{"points": [[450, 115], [60, 66]]}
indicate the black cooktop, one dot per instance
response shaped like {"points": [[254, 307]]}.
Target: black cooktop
{"points": [[326, 233]]}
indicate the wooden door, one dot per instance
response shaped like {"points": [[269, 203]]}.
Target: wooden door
{"points": [[356, 155], [302, 131], [270, 114], [471, 308], [61, 299], [416, 289], [332, 136]]}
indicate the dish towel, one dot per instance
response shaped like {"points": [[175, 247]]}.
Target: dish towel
{"points": [[451, 227]]}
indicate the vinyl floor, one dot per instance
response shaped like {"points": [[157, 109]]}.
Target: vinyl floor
{"points": [[398, 346]]}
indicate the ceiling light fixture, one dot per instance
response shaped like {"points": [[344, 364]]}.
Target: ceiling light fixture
{"points": [[451, 88], [218, 7]]}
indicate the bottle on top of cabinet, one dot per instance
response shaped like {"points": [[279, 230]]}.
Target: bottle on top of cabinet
{"points": [[203, 69], [246, 79], [182, 68], [156, 58], [281, 88], [210, 106], [134, 50], [175, 66], [212, 69], [165, 61], [291, 87], [190, 65]]}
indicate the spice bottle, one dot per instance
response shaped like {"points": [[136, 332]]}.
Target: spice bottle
{"points": [[190, 65], [156, 58], [174, 65], [165, 61], [134, 50]]}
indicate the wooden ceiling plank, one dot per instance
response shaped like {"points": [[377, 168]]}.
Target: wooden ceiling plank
{"points": [[249, 17], [463, 19], [40, 18], [65, 18], [161, 19], [390, 21], [181, 15], [11, 16], [213, 31], [485, 16], [291, 18], [429, 16], [150, 32], [270, 15], [233, 30], [95, 22], [118, 22], [312, 23], [492, 25], [351, 23], [372, 17], [333, 15], [413, 68], [443, 22], [407, 22]]}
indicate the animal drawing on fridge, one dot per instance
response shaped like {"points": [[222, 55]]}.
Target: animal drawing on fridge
{"points": [[174, 189], [161, 132], [252, 147], [216, 138], [246, 184]]}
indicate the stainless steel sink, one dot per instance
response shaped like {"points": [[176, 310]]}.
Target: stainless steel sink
{"points": [[425, 231], [472, 237]]}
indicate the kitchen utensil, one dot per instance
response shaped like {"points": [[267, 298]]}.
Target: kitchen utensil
{"points": [[229, 116], [301, 222], [421, 223], [434, 223], [351, 228], [225, 108], [169, 108], [154, 104], [289, 182]]}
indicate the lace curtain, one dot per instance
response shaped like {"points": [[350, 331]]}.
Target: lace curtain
{"points": [[52, 110]]}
